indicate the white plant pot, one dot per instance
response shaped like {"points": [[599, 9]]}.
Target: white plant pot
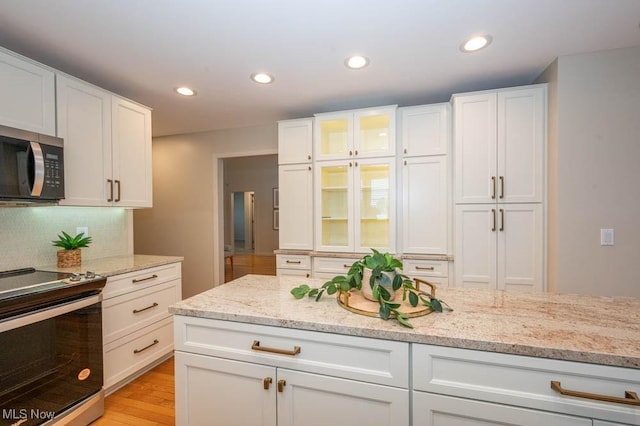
{"points": [[367, 292]]}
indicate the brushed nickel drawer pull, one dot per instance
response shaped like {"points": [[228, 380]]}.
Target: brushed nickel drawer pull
{"points": [[118, 198], [501, 187], [630, 398], [493, 211], [256, 347], [501, 219], [155, 342], [344, 265], [493, 187], [266, 382], [281, 384], [139, 280], [137, 311], [297, 262], [425, 268]]}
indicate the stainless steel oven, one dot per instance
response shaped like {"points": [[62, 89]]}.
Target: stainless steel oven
{"points": [[50, 348]]}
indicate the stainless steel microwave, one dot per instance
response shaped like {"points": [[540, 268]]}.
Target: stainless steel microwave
{"points": [[31, 168]]}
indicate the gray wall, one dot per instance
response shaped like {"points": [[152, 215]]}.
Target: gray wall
{"points": [[186, 218], [594, 172]]}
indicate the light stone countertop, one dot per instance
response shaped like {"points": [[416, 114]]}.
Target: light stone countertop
{"points": [[116, 265], [592, 329]]}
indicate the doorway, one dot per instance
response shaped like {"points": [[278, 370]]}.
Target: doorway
{"points": [[243, 214]]}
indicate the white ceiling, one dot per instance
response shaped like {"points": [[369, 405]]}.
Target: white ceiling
{"points": [[143, 49]]}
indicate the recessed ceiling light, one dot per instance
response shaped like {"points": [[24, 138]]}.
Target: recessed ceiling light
{"points": [[356, 62], [476, 43], [185, 91], [262, 78]]}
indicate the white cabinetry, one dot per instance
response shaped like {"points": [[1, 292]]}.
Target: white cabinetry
{"points": [[295, 181], [358, 133], [27, 91], [355, 202], [499, 188], [136, 325], [465, 387], [286, 377], [107, 146], [293, 264], [434, 271], [499, 246], [426, 181]]}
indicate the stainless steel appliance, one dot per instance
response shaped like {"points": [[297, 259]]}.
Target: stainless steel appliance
{"points": [[50, 348], [31, 168]]}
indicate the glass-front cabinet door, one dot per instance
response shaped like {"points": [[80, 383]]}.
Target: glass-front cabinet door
{"points": [[355, 205], [334, 188], [375, 211], [361, 133]]}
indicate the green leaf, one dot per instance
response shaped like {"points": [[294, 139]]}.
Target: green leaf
{"points": [[413, 299], [384, 311], [332, 289], [403, 320], [314, 292], [319, 294], [397, 282], [384, 293], [300, 292], [436, 305]]}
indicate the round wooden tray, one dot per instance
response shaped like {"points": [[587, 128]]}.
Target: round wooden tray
{"points": [[355, 302]]}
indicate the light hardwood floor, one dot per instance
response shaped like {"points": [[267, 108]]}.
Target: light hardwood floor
{"points": [[149, 400]]}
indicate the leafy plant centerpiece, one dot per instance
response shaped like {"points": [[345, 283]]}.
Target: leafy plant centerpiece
{"points": [[70, 255], [377, 276]]}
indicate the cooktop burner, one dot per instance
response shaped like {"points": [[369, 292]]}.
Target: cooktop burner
{"points": [[23, 290]]}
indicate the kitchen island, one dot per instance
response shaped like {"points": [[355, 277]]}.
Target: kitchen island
{"points": [[500, 350]]}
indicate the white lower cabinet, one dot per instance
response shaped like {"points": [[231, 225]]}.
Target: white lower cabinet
{"points": [[460, 387], [137, 329], [437, 410], [294, 265], [245, 375]]}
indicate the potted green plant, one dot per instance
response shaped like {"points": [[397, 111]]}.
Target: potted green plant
{"points": [[70, 255], [377, 276]]}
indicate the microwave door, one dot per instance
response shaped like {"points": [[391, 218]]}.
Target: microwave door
{"points": [[30, 170]]}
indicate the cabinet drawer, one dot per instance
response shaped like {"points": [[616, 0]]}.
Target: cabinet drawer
{"points": [[306, 273], [370, 360], [129, 312], [525, 381], [332, 265], [425, 268], [128, 355], [290, 261], [132, 281]]}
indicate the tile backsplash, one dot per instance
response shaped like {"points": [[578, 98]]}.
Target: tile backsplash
{"points": [[26, 233]]}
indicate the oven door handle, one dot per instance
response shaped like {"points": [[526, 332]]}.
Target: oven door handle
{"points": [[49, 313]]}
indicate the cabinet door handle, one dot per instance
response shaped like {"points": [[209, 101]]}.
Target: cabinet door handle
{"points": [[309, 167], [630, 398], [139, 280], [501, 187], [155, 342], [356, 163], [493, 187], [405, 162], [425, 268], [350, 153], [117, 183], [344, 265], [281, 384], [137, 311], [308, 157], [501, 219], [266, 382], [493, 212], [256, 347], [405, 150], [356, 152], [350, 164], [110, 182], [296, 262]]}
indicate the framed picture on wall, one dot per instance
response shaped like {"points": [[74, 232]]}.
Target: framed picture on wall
{"points": [[276, 198], [276, 219]]}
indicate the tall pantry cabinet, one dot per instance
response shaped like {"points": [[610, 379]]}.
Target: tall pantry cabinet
{"points": [[499, 152]]}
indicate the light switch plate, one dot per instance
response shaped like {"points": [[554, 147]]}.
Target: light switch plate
{"points": [[606, 237]]}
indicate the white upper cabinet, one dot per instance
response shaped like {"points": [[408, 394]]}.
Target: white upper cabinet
{"points": [[84, 122], [131, 154], [107, 146], [425, 129], [362, 133], [499, 145], [295, 139], [27, 92], [295, 206]]}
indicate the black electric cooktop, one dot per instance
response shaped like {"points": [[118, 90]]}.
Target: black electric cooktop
{"points": [[26, 290]]}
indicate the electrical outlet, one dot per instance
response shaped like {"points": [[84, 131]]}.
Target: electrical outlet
{"points": [[606, 237], [83, 229]]}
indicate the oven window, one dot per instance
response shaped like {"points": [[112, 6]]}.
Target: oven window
{"points": [[49, 366]]}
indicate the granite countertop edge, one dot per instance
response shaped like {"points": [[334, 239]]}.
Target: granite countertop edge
{"points": [[117, 265]]}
